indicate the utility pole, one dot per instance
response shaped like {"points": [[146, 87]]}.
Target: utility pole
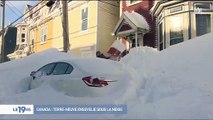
{"points": [[2, 46], [65, 26]]}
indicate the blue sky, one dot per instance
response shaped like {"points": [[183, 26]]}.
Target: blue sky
{"points": [[15, 9]]}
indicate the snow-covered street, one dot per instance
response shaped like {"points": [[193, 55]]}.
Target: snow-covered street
{"points": [[175, 83]]}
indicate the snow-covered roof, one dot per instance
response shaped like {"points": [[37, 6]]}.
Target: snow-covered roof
{"points": [[137, 19]]}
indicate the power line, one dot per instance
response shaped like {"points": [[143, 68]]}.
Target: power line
{"points": [[25, 14], [12, 10], [15, 7]]}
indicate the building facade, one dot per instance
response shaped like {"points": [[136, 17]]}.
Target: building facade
{"points": [[40, 27], [136, 24], [22, 42], [179, 21], [9, 41], [90, 26]]}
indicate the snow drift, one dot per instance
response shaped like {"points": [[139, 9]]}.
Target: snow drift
{"points": [[175, 83]]}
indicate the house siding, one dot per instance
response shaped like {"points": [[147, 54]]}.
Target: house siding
{"points": [[108, 15], [83, 41], [38, 45], [143, 8]]}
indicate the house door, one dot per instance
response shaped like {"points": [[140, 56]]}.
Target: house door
{"points": [[203, 24]]}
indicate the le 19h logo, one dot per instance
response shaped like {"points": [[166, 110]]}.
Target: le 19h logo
{"points": [[21, 109]]}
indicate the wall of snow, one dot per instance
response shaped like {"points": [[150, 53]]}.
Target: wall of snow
{"points": [[175, 83]]}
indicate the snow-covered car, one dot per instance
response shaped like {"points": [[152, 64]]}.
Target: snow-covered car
{"points": [[80, 77]]}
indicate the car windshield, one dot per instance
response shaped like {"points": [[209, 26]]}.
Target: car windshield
{"points": [[47, 68]]}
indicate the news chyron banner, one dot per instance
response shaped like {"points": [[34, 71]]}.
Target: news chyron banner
{"points": [[63, 109], [16, 109]]}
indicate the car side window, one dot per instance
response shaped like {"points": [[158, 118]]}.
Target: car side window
{"points": [[69, 69], [47, 69], [62, 68]]}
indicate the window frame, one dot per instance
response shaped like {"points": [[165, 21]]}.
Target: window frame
{"points": [[43, 35]]}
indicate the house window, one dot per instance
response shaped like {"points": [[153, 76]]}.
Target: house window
{"points": [[176, 30], [161, 37], [176, 9], [22, 37], [133, 1], [23, 28], [43, 35], [203, 24], [205, 6], [33, 37], [84, 19]]}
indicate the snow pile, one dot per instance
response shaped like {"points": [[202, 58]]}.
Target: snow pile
{"points": [[175, 83]]}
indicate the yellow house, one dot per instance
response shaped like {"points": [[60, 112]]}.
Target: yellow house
{"points": [[41, 28], [90, 26]]}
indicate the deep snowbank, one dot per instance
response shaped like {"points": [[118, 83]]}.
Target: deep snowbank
{"points": [[174, 83]]}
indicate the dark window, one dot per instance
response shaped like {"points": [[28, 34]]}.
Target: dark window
{"points": [[161, 37], [69, 69], [62, 68], [32, 41], [203, 6], [203, 24], [84, 19], [133, 1], [22, 37], [47, 68]]}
